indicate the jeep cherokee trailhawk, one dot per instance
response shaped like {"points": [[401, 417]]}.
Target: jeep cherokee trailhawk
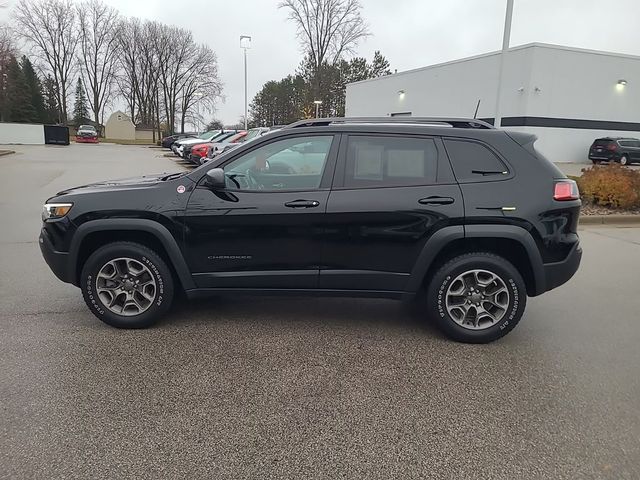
{"points": [[470, 216]]}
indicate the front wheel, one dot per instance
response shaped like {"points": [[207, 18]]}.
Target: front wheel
{"points": [[127, 285], [477, 297]]}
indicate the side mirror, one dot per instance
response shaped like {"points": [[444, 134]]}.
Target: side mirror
{"points": [[215, 178]]}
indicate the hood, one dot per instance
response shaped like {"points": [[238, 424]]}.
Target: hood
{"points": [[128, 183], [192, 141]]}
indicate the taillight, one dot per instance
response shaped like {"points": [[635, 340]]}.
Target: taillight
{"points": [[612, 147], [565, 190]]}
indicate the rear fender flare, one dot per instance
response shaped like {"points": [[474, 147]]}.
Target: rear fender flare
{"points": [[444, 236]]}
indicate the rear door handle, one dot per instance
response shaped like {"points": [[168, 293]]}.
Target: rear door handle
{"points": [[435, 200], [302, 204]]}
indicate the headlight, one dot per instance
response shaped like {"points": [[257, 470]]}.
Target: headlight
{"points": [[55, 210]]}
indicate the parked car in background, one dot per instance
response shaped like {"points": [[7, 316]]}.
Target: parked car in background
{"points": [[222, 147], [178, 145], [199, 151], [615, 149], [87, 134], [169, 140], [187, 149]]}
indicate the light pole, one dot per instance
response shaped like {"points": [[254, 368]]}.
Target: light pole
{"points": [[505, 46], [318, 103], [245, 44]]}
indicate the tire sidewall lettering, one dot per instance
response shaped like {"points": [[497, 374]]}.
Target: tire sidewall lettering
{"points": [[96, 303]]}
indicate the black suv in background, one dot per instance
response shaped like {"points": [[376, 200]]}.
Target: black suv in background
{"points": [[615, 149], [467, 215]]}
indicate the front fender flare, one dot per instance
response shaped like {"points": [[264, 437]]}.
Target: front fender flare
{"points": [[131, 224]]}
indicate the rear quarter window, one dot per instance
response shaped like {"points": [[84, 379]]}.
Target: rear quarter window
{"points": [[474, 162]]}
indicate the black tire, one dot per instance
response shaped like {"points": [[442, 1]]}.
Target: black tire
{"points": [[438, 287], [157, 269]]}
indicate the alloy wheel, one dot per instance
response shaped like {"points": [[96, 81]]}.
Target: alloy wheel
{"points": [[477, 299], [126, 287]]}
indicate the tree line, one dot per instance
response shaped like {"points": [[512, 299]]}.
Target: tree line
{"points": [[328, 32], [159, 71]]}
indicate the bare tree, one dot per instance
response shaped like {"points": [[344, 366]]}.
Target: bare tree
{"points": [[50, 28], [327, 29], [202, 86], [97, 56]]}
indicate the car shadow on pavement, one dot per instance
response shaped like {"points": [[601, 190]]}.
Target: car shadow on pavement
{"points": [[304, 311]]}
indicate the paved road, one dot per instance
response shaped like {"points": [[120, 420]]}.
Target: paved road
{"points": [[305, 388]]}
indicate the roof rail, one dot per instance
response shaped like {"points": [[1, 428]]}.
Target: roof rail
{"points": [[426, 121]]}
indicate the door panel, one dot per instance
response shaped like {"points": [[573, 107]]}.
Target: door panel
{"points": [[264, 229], [390, 195], [374, 236], [251, 239]]}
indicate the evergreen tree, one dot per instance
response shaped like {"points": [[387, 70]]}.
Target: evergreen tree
{"points": [[19, 107], [35, 88], [80, 108], [51, 110]]}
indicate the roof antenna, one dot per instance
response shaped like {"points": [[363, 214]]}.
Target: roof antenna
{"points": [[475, 115]]}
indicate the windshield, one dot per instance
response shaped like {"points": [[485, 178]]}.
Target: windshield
{"points": [[207, 135], [86, 127], [253, 133]]}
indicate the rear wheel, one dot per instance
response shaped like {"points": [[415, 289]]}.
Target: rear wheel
{"points": [[477, 297], [624, 160], [127, 285]]}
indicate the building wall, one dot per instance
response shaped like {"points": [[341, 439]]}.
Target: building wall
{"points": [[539, 81], [144, 134], [449, 89], [21, 134], [120, 127]]}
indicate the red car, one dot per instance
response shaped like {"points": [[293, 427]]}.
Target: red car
{"points": [[86, 134], [201, 151]]}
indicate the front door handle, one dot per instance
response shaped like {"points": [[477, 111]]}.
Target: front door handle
{"points": [[302, 204], [435, 200]]}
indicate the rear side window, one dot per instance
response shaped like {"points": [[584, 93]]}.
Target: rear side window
{"points": [[473, 162], [390, 161], [625, 143]]}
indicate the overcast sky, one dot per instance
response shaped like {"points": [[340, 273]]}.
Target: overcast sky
{"points": [[410, 33]]}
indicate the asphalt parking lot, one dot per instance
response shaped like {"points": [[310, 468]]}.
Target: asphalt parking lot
{"points": [[305, 388]]}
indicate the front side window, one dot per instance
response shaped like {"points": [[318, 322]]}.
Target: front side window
{"points": [[287, 164], [390, 161]]}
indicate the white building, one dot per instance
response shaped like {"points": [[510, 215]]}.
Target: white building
{"points": [[566, 96]]}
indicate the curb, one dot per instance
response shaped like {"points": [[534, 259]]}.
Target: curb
{"points": [[610, 220]]}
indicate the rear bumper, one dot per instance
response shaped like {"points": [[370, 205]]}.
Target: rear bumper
{"points": [[558, 273], [58, 261]]}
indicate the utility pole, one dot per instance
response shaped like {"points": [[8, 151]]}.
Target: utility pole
{"points": [[245, 44], [505, 47]]}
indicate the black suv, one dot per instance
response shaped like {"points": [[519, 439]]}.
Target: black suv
{"points": [[615, 149], [468, 215]]}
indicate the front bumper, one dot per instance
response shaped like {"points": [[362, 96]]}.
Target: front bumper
{"points": [[558, 273], [58, 261], [86, 139], [195, 159]]}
